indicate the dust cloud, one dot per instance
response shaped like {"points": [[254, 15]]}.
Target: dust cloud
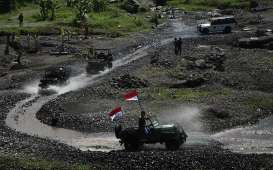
{"points": [[184, 116]]}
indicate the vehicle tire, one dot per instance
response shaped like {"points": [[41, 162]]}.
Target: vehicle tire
{"points": [[205, 31], [172, 145], [227, 30], [132, 146]]}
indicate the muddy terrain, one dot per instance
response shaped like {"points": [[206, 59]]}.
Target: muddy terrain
{"points": [[220, 93]]}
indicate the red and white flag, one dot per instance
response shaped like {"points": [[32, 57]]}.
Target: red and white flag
{"points": [[131, 95], [116, 113]]}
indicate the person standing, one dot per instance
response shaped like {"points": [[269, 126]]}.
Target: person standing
{"points": [[21, 19], [179, 46], [175, 46]]}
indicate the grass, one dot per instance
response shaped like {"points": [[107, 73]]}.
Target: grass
{"points": [[162, 93], [117, 20], [208, 4], [259, 102], [112, 20], [19, 162]]}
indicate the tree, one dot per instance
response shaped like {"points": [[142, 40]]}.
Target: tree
{"points": [[43, 9], [99, 5], [82, 8], [52, 6], [70, 3], [47, 7], [6, 5]]}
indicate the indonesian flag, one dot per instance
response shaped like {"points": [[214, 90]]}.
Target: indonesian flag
{"points": [[115, 114], [131, 95]]}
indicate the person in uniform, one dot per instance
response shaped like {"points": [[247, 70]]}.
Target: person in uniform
{"points": [[142, 123], [179, 46], [175, 46], [21, 19]]}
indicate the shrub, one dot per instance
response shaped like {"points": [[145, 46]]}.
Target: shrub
{"points": [[130, 6], [99, 5], [138, 22]]}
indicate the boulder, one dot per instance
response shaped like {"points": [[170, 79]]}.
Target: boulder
{"points": [[128, 81], [255, 42], [189, 83], [201, 63], [217, 112]]}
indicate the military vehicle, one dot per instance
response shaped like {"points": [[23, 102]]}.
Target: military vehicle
{"points": [[172, 136], [54, 76], [218, 24], [256, 42], [98, 60]]}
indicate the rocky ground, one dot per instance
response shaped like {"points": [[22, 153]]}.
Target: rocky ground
{"points": [[231, 86]]}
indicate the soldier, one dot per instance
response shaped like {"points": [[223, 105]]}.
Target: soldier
{"points": [[179, 46], [21, 19], [7, 45], [175, 46], [142, 123], [17, 48], [172, 13]]}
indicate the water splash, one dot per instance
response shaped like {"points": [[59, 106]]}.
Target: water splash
{"points": [[31, 88]]}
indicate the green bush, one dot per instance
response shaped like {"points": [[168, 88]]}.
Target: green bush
{"points": [[99, 5], [138, 22], [130, 6]]}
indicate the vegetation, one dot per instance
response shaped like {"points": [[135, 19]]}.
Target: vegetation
{"points": [[162, 93], [47, 7], [259, 102], [19, 162], [99, 16], [190, 5], [6, 6]]}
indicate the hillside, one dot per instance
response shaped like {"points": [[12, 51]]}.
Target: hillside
{"points": [[113, 18]]}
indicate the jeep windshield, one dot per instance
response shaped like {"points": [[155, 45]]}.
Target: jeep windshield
{"points": [[152, 121]]}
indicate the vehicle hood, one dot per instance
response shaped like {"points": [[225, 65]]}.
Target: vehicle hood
{"points": [[166, 126], [205, 25], [170, 127]]}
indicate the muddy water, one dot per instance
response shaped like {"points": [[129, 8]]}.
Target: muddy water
{"points": [[22, 118], [253, 139]]}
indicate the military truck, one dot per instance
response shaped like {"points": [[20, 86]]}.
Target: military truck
{"points": [[54, 76], [132, 139], [99, 60]]}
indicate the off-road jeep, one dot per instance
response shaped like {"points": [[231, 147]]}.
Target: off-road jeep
{"points": [[133, 139], [99, 60], [218, 25], [54, 76]]}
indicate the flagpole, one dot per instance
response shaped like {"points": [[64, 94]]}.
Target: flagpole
{"points": [[140, 105]]}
